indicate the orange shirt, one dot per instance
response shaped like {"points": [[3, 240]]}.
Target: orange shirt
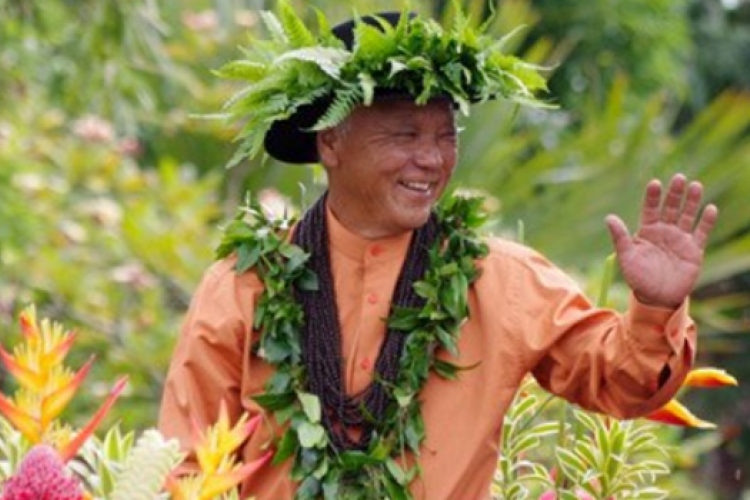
{"points": [[526, 316]]}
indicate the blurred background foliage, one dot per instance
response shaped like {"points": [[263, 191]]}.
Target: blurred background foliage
{"points": [[112, 191]]}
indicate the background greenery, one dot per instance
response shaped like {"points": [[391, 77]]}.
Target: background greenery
{"points": [[112, 192]]}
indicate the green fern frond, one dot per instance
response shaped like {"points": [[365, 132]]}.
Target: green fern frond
{"points": [[242, 70], [324, 28], [343, 104], [502, 42], [330, 60], [297, 33], [403, 22], [373, 44], [274, 27], [147, 467], [251, 145], [461, 22]]}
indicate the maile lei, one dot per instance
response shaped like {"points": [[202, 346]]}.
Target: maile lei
{"points": [[383, 470]]}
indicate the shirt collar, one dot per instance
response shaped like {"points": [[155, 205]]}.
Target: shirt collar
{"points": [[357, 247]]}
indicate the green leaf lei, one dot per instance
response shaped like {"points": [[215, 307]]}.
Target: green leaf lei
{"points": [[261, 244], [296, 67]]}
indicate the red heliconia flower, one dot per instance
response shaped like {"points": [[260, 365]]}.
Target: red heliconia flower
{"points": [[42, 476]]}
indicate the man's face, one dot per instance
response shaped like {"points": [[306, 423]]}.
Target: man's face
{"points": [[388, 164]]}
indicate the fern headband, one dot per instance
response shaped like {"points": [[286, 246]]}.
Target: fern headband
{"points": [[300, 82]]}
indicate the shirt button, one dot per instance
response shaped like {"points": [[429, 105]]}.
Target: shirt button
{"points": [[376, 250], [372, 298]]}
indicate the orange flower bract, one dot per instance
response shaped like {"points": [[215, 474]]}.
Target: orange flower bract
{"points": [[46, 385], [675, 413]]}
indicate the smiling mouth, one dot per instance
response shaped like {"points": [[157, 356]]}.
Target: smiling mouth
{"points": [[418, 187]]}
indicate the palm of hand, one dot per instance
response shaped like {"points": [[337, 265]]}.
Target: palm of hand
{"points": [[661, 263]]}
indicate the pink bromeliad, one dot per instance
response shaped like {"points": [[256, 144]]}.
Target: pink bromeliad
{"points": [[42, 476]]}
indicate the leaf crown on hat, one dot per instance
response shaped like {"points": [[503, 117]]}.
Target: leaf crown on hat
{"points": [[296, 68]]}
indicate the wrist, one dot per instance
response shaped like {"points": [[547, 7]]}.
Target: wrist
{"points": [[646, 301]]}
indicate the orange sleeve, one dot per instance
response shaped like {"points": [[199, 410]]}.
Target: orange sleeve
{"points": [[206, 366], [625, 365]]}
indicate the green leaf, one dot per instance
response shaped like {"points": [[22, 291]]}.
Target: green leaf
{"points": [[396, 472], [403, 318], [247, 256], [243, 70], [525, 443], [571, 464], [330, 60], [351, 460], [286, 448], [425, 290], [309, 489], [395, 490], [310, 405], [449, 370], [379, 449], [274, 402], [294, 28], [308, 281], [414, 431], [403, 398], [312, 435], [331, 488], [445, 369], [447, 340]]}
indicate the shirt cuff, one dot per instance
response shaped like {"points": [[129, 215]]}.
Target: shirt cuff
{"points": [[659, 329]]}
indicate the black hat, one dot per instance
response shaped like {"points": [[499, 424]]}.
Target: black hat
{"points": [[290, 140]]}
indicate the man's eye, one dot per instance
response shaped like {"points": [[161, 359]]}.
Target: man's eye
{"points": [[406, 134]]}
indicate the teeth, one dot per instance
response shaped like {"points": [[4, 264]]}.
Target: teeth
{"points": [[418, 186]]}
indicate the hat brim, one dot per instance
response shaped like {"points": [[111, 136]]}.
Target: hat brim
{"points": [[291, 140]]}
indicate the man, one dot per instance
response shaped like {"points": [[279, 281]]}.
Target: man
{"points": [[371, 238]]}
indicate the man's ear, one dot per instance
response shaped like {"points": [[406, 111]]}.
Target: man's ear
{"points": [[327, 143]]}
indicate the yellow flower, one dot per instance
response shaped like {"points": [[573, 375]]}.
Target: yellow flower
{"points": [[215, 451]]}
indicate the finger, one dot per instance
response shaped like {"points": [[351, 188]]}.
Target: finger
{"points": [[673, 201], [705, 225], [692, 206], [618, 231], [650, 210]]}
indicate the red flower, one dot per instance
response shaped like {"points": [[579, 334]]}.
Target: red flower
{"points": [[42, 476]]}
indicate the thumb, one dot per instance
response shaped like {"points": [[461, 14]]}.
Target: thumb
{"points": [[618, 231]]}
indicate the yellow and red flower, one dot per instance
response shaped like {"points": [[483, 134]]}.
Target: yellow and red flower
{"points": [[219, 470], [46, 386], [675, 413]]}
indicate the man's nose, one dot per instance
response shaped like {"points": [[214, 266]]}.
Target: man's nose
{"points": [[428, 154]]}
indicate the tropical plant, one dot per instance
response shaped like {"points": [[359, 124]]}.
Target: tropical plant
{"points": [[42, 458], [595, 457]]}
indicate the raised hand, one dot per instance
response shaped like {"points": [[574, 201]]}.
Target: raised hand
{"points": [[662, 260]]}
